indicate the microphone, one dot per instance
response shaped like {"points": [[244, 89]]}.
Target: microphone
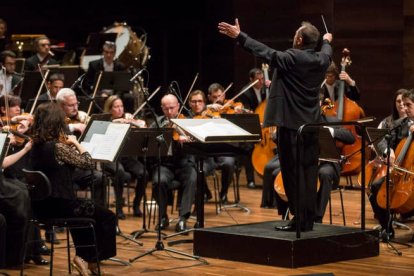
{"points": [[137, 74]]}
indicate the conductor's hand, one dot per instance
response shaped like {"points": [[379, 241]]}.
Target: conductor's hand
{"points": [[328, 36], [232, 31]]}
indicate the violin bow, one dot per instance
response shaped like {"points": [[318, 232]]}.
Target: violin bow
{"points": [[238, 94], [146, 101], [188, 94], [44, 77], [224, 92]]}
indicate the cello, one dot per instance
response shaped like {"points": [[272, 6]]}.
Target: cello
{"points": [[346, 109], [264, 150], [401, 196]]}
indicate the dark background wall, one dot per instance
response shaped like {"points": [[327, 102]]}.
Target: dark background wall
{"points": [[184, 40]]}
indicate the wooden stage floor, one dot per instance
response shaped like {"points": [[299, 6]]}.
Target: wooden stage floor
{"points": [[167, 263]]}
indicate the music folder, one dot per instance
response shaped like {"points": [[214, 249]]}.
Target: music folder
{"points": [[4, 140], [215, 130], [104, 140], [327, 147]]}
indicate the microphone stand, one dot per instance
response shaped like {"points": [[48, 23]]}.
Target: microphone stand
{"points": [[78, 84]]}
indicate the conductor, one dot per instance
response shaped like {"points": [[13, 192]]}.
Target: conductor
{"points": [[293, 101]]}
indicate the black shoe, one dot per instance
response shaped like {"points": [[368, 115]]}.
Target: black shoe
{"points": [[289, 227], [181, 226], [251, 185], [44, 250], [38, 260], [223, 199], [49, 236], [164, 223]]}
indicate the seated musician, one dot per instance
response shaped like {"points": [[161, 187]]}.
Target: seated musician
{"points": [[76, 122], [108, 63], [11, 80], [400, 129], [179, 166], [56, 155], [11, 118], [43, 56], [227, 164], [329, 173], [55, 82], [126, 164], [331, 85], [251, 99]]}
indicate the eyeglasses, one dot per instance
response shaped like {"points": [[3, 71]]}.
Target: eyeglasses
{"points": [[44, 44]]}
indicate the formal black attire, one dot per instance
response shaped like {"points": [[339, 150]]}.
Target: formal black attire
{"points": [[180, 167], [31, 63], [251, 102], [399, 130], [15, 207], [294, 101], [57, 161], [330, 172], [91, 76], [351, 92]]}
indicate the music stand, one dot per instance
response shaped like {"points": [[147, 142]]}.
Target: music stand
{"points": [[140, 142], [116, 81], [30, 85], [210, 133], [327, 148], [104, 141], [159, 246]]}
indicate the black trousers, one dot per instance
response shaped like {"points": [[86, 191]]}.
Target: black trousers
{"points": [[308, 172], [187, 178], [271, 170], [105, 227], [15, 208], [329, 178]]}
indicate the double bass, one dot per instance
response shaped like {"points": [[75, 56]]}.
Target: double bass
{"points": [[347, 110], [263, 151]]}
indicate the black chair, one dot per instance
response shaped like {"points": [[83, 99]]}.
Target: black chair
{"points": [[39, 188]]}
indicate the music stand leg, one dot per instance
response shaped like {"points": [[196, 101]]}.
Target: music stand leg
{"points": [[159, 246]]}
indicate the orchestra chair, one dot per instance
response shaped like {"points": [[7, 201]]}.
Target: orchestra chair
{"points": [[338, 189], [39, 188]]}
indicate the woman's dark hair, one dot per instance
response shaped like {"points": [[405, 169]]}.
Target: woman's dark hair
{"points": [[49, 123], [13, 101], [395, 114]]}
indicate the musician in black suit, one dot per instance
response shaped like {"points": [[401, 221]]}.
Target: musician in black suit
{"points": [[9, 77], [330, 172], [43, 56], [331, 84], [108, 63], [294, 101], [251, 99]]}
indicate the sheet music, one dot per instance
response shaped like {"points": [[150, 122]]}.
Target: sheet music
{"points": [[206, 130], [105, 146]]}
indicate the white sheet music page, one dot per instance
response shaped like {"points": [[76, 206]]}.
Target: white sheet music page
{"points": [[106, 146], [202, 129]]}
